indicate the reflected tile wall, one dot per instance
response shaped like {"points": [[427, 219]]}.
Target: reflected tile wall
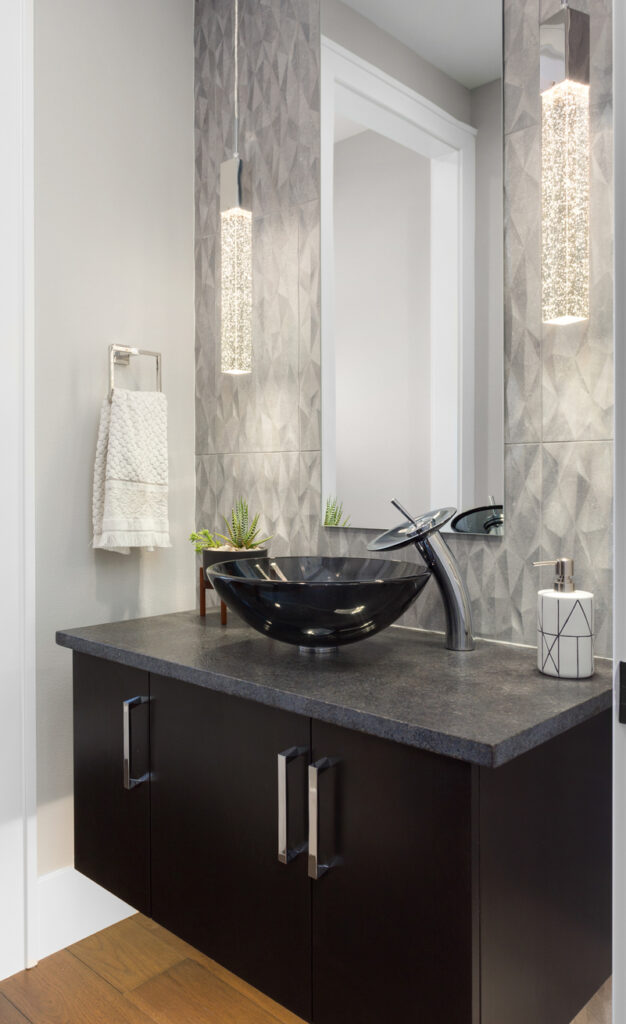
{"points": [[260, 436], [559, 380]]}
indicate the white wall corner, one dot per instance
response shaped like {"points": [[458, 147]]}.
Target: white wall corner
{"points": [[71, 907]]}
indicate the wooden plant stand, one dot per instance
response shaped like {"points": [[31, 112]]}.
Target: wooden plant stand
{"points": [[204, 586]]}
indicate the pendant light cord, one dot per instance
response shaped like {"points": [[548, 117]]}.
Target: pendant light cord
{"points": [[236, 53]]}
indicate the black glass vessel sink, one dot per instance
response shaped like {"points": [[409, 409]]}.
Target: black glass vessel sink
{"points": [[318, 602]]}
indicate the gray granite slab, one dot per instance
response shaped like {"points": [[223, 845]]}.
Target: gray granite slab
{"points": [[485, 707]]}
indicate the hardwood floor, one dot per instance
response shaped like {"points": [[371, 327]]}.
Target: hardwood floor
{"points": [[598, 1011], [138, 973], [134, 973]]}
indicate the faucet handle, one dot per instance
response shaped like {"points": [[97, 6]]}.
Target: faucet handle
{"points": [[411, 531], [403, 511]]}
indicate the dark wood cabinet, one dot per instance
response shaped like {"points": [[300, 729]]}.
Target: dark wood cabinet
{"points": [[111, 823], [545, 878], [392, 916], [431, 890], [216, 878]]}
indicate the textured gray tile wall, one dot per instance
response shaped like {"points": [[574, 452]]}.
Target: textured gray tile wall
{"points": [[558, 379], [260, 436], [250, 430]]}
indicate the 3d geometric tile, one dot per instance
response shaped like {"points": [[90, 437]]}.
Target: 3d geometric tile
{"points": [[521, 27], [279, 83], [577, 510], [577, 383], [309, 313], [522, 106], [601, 58], [522, 279], [268, 482], [517, 581]]}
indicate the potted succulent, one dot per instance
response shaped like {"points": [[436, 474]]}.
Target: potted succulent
{"points": [[240, 541], [333, 513]]}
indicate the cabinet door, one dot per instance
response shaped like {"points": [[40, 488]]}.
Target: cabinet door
{"points": [[545, 878], [111, 822], [216, 878], [392, 914]]}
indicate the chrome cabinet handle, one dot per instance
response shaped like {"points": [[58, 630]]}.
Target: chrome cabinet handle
{"points": [[127, 705], [315, 869], [285, 855]]}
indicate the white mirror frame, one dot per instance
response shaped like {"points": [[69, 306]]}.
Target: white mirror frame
{"points": [[360, 91]]}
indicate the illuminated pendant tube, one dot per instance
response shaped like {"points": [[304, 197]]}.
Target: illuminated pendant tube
{"points": [[565, 167], [236, 290]]}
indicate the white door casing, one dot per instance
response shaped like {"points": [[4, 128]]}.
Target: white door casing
{"points": [[18, 932]]}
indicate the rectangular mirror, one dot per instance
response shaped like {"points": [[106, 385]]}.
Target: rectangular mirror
{"points": [[412, 240]]}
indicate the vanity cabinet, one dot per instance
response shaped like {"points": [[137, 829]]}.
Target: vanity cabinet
{"points": [[431, 889], [112, 823], [392, 915], [216, 878]]}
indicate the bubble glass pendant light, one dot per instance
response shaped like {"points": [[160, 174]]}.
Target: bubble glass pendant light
{"points": [[236, 251], [564, 72]]}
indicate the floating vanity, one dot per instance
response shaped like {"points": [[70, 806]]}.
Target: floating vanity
{"points": [[434, 845]]}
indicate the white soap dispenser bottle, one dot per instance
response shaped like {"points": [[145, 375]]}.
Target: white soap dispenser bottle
{"points": [[564, 625]]}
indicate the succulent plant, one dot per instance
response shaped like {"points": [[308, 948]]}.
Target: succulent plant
{"points": [[242, 533], [334, 513], [204, 540]]}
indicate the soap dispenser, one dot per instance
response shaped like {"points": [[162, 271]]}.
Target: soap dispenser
{"points": [[564, 625]]}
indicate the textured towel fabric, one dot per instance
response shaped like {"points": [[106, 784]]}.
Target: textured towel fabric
{"points": [[130, 473]]}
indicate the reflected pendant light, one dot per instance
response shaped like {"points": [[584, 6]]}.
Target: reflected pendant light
{"points": [[564, 73], [236, 251]]}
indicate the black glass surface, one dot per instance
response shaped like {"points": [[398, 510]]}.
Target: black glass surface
{"points": [[488, 519], [411, 530], [313, 601]]}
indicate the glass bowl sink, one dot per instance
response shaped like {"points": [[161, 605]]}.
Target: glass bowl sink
{"points": [[318, 602]]}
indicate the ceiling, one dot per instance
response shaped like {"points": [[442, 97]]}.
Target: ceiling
{"points": [[461, 37]]}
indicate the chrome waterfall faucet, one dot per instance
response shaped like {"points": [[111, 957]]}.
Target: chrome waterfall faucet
{"points": [[423, 531]]}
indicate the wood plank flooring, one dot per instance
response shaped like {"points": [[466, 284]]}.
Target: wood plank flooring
{"points": [[138, 973], [599, 1010], [134, 973]]}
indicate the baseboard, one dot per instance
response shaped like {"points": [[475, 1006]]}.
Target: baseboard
{"points": [[72, 907]]}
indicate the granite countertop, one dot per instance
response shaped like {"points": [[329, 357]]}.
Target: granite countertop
{"points": [[485, 707]]}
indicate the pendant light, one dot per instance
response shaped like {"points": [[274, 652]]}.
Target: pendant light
{"points": [[236, 250], [564, 73]]}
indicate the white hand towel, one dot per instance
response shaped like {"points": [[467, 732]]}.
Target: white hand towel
{"points": [[130, 473]]}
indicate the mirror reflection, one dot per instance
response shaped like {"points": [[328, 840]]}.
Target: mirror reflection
{"points": [[412, 321]]}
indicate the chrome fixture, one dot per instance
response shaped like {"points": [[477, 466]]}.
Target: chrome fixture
{"points": [[119, 355], [285, 854], [563, 574], [315, 869], [423, 531], [564, 85], [127, 775], [236, 248]]}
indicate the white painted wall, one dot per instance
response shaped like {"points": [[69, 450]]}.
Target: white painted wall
{"points": [[114, 243], [17, 689], [382, 327], [359, 35], [489, 334]]}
